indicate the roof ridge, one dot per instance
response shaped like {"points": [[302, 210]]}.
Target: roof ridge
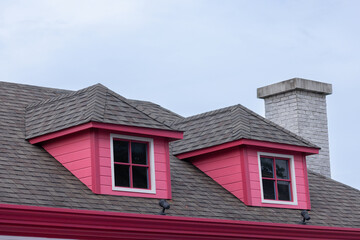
{"points": [[331, 179], [239, 132], [63, 96], [278, 126], [96, 102], [168, 110], [203, 115], [131, 105], [34, 86]]}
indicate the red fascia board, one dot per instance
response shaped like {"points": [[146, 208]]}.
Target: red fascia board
{"points": [[306, 150], [172, 135], [18, 220]]}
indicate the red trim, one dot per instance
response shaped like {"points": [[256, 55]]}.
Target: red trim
{"points": [[172, 135], [246, 178], [95, 165], [168, 172], [17, 220], [249, 142], [306, 180]]}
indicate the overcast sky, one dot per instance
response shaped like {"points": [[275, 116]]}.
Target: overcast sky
{"points": [[193, 56]]}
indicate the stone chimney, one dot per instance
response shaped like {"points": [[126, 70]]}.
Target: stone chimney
{"points": [[299, 105]]}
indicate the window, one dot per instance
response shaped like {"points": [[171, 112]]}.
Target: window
{"points": [[132, 164], [277, 178]]}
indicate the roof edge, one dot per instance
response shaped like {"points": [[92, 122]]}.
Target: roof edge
{"points": [[171, 134], [248, 142], [94, 224]]}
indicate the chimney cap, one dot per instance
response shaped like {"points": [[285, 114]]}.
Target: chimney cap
{"points": [[294, 84]]}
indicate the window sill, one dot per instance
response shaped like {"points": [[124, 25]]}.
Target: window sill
{"points": [[135, 190], [278, 202]]}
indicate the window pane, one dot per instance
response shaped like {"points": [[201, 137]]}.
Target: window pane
{"points": [[121, 151], [138, 153], [268, 189], [282, 169], [267, 167], [284, 190], [122, 176], [140, 177]]}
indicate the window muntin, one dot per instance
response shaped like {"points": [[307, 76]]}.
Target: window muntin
{"points": [[132, 163], [276, 184], [277, 178]]}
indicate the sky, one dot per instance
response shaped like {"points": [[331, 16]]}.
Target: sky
{"points": [[193, 56]]}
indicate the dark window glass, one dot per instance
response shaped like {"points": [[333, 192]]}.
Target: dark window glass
{"points": [[284, 190], [267, 170], [282, 169], [122, 175], [269, 189], [121, 151], [139, 153], [140, 177]]}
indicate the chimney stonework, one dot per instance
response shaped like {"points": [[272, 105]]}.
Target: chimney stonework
{"points": [[299, 105]]}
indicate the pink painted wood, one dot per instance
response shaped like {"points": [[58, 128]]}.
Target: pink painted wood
{"points": [[248, 142], [237, 170], [86, 154], [32, 221], [74, 153], [173, 135]]}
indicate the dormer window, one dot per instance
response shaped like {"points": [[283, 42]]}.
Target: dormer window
{"points": [[277, 178], [132, 164]]}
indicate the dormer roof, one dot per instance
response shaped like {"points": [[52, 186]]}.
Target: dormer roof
{"points": [[93, 104], [231, 124]]}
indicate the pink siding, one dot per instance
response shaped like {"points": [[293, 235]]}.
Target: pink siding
{"points": [[86, 154], [302, 189], [74, 153], [237, 170], [224, 167]]}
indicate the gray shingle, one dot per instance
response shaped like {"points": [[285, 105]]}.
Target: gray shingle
{"points": [[30, 176], [95, 103], [230, 124]]}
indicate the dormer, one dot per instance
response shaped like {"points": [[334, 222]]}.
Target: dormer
{"points": [[108, 142], [259, 162]]}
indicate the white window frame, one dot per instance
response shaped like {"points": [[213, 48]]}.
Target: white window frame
{"points": [[150, 141], [293, 179]]}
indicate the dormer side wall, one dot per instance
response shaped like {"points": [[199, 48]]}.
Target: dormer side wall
{"points": [[238, 170], [74, 153], [225, 168], [88, 155]]}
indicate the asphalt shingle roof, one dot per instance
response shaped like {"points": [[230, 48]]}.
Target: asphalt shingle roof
{"points": [[96, 103], [230, 124], [30, 176]]}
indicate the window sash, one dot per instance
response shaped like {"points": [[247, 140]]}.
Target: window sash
{"points": [[130, 164], [276, 179]]}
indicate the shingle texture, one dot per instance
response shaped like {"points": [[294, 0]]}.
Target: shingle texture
{"points": [[95, 103], [230, 124], [30, 176]]}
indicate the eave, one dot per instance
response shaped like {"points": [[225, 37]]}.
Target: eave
{"points": [[248, 142], [172, 135], [18, 220]]}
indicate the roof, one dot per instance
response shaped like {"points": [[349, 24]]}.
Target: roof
{"points": [[96, 103], [230, 124], [30, 176]]}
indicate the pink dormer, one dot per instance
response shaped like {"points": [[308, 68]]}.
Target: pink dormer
{"points": [[257, 161], [105, 141]]}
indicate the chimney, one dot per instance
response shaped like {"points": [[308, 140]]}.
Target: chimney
{"points": [[299, 105]]}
